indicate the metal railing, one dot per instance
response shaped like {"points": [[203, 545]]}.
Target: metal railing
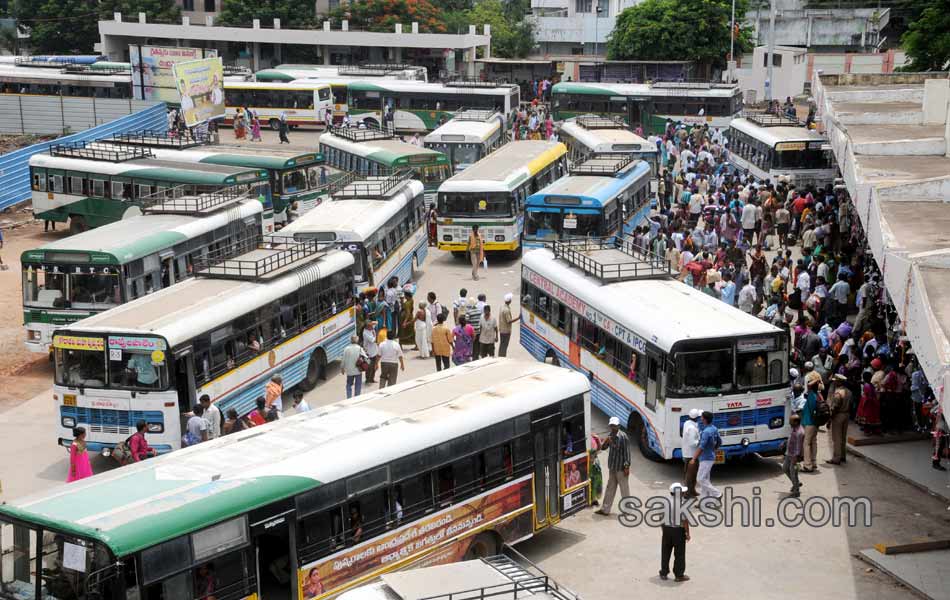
{"points": [[375, 69], [161, 139], [183, 199], [599, 122], [764, 119], [475, 114], [355, 134], [98, 151], [527, 579], [473, 83], [637, 264], [606, 164], [280, 252], [376, 186]]}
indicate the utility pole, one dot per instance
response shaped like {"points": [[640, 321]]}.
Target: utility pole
{"points": [[771, 52], [732, 44]]}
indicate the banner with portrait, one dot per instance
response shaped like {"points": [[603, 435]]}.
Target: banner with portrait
{"points": [[153, 78], [201, 90]]}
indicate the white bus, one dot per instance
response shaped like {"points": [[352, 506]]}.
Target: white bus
{"points": [[773, 147], [380, 220], [433, 470], [304, 103], [591, 135], [469, 137], [492, 194], [283, 308], [654, 348]]}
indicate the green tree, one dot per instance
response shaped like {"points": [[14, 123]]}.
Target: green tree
{"points": [[511, 35], [383, 15], [695, 30], [927, 40], [292, 13], [60, 26], [156, 11], [8, 39]]}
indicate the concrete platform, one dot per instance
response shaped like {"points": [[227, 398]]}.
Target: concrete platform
{"points": [[927, 573], [909, 461]]}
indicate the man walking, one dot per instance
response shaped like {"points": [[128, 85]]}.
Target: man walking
{"points": [[840, 407], [350, 368], [705, 455], [690, 443], [675, 536], [441, 343], [282, 128], [488, 334], [372, 350], [504, 326], [793, 452], [618, 465], [390, 361], [212, 415], [812, 381], [476, 250]]}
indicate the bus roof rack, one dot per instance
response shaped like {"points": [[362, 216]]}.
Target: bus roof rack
{"points": [[98, 151], [764, 119], [88, 70], [374, 69], [611, 259], [599, 122], [472, 82], [362, 185], [261, 258], [173, 201], [355, 134], [160, 139], [608, 164], [483, 115]]}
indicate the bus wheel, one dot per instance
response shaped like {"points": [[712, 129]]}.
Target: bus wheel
{"points": [[414, 266], [372, 123], [274, 124], [552, 359], [315, 372], [638, 428], [484, 545], [77, 224]]}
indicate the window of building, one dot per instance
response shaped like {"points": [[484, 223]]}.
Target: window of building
{"points": [[209, 6], [188, 5], [583, 6]]}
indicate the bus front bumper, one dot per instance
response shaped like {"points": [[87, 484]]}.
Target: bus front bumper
{"points": [[105, 448], [489, 246], [765, 448]]}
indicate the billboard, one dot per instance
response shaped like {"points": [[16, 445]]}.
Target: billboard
{"points": [[201, 89], [152, 76]]}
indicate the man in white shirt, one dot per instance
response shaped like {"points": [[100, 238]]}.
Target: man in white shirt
{"points": [[690, 443], [748, 221], [300, 405], [212, 415], [391, 361], [747, 297]]}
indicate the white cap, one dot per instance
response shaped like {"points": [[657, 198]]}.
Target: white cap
{"points": [[614, 421], [793, 373], [677, 487], [508, 297], [695, 413]]}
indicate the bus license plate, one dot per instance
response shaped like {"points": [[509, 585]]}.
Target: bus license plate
{"points": [[69, 400], [720, 457]]}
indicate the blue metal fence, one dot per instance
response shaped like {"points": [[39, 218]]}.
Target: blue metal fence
{"points": [[15, 166]]}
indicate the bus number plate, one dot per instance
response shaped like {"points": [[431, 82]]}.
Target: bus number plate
{"points": [[720, 457], [69, 400]]}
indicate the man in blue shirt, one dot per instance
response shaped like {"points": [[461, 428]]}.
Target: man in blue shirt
{"points": [[709, 442], [812, 382], [728, 289]]}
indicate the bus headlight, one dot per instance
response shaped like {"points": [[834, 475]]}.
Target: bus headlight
{"points": [[34, 335], [499, 238], [68, 422], [155, 428], [776, 422]]}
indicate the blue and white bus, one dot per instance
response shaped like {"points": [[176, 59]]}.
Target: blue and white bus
{"points": [[281, 308], [604, 196], [654, 347]]}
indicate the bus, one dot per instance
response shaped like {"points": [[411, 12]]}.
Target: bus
{"points": [[650, 104], [605, 196], [75, 277], [589, 135], [94, 184], [655, 348], [380, 220], [492, 194], [293, 72], [108, 80], [774, 147], [376, 152], [418, 106], [305, 103], [470, 136], [447, 466]]}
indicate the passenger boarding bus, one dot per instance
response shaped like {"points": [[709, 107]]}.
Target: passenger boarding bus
{"points": [[375, 152], [284, 308], [492, 194], [304, 103], [418, 106], [589, 135], [608, 195], [91, 185], [448, 466], [654, 347], [650, 104], [469, 137], [84, 274], [380, 220], [773, 147]]}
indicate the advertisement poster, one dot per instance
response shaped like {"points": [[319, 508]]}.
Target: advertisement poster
{"points": [[201, 87], [74, 342], [574, 472], [328, 574], [152, 76]]}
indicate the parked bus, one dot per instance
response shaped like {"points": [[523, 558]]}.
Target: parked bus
{"points": [[589, 135], [448, 466], [304, 103], [492, 194], [650, 104], [654, 347], [605, 196], [380, 220], [470, 136], [375, 152], [418, 106], [774, 147], [282, 308], [91, 185], [84, 274], [293, 72]]}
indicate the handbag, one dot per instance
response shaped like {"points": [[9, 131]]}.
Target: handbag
{"points": [[362, 362], [122, 452]]}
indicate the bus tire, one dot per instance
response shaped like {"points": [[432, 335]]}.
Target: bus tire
{"points": [[414, 268], [371, 123], [274, 124], [77, 224], [316, 370], [638, 428], [552, 359], [484, 545]]}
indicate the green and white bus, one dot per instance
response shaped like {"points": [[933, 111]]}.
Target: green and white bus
{"points": [[433, 470], [470, 136], [374, 152], [91, 185], [75, 277], [650, 104]]}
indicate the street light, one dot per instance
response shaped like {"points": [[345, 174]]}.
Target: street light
{"points": [[597, 12]]}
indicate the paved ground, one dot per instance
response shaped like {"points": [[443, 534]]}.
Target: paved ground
{"points": [[912, 461], [926, 572]]}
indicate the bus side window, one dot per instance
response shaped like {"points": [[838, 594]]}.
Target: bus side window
{"points": [[323, 532]]}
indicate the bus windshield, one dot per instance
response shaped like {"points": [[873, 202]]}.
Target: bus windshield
{"points": [[492, 204], [94, 290], [77, 366], [803, 159], [42, 289], [465, 154], [556, 225], [133, 363], [703, 372], [433, 174]]}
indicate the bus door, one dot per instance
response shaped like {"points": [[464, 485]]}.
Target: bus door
{"points": [[544, 433], [655, 382], [273, 539], [167, 258], [575, 342], [634, 113], [185, 382]]}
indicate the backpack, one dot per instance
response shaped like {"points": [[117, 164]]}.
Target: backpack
{"points": [[445, 312], [718, 441], [122, 452], [822, 411]]}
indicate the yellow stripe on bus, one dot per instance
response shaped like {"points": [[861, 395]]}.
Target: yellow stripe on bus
{"points": [[547, 157]]}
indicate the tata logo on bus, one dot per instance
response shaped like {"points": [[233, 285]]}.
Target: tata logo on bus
{"points": [[735, 404]]}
